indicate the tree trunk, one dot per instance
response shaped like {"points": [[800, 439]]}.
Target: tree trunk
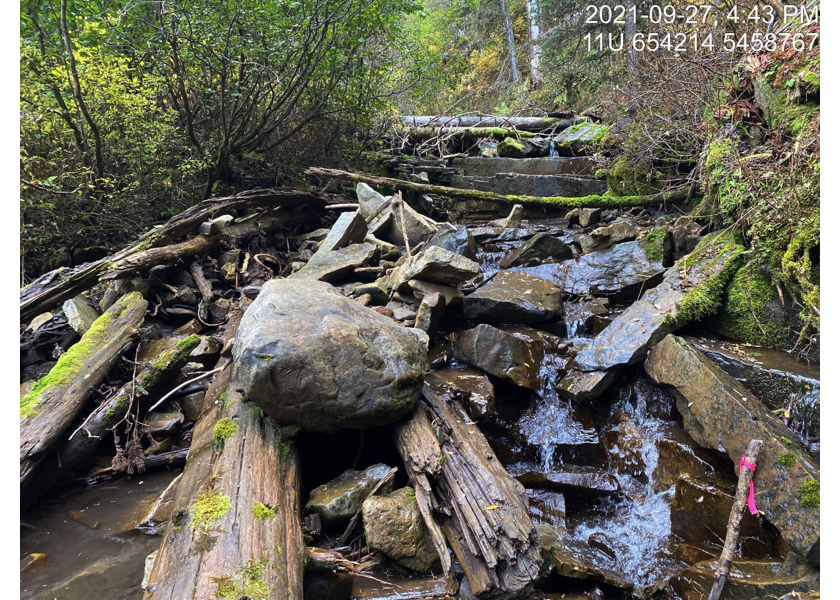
{"points": [[632, 56], [487, 521], [733, 528], [594, 201], [520, 123], [533, 9], [292, 206], [157, 369], [55, 400], [511, 44], [235, 530]]}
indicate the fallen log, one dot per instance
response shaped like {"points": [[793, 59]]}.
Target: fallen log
{"points": [[592, 201], [56, 400], [160, 367], [521, 123], [290, 206], [235, 529], [486, 517], [733, 528]]}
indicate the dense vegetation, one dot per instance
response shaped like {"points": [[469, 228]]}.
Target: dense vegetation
{"points": [[132, 111]]}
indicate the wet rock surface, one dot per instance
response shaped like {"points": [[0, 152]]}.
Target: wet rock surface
{"points": [[577, 480], [719, 413], [338, 500], [514, 355], [539, 249], [309, 356], [513, 298]]}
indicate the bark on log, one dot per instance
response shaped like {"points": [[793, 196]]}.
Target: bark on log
{"points": [[734, 526], [157, 369], [593, 201], [487, 520], [290, 207], [56, 400], [235, 530], [520, 123]]}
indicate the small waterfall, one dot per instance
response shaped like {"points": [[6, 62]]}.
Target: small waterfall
{"points": [[575, 328], [552, 151]]}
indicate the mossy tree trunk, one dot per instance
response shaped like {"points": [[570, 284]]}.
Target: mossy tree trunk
{"points": [[235, 530], [56, 400], [157, 369]]}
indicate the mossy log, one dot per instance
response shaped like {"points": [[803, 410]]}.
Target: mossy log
{"points": [[288, 206], [168, 357], [486, 516], [526, 123], [235, 529], [56, 400], [607, 200]]}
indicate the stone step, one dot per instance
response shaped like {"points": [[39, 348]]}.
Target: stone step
{"points": [[531, 185], [487, 167]]}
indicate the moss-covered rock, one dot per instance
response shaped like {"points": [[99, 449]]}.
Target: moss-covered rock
{"points": [[513, 148]]}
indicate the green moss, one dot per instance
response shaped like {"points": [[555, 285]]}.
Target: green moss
{"points": [[178, 519], [752, 312], [811, 79], [248, 582], [68, 367], [207, 508], [704, 298], [655, 243], [223, 429], [628, 176], [510, 147], [787, 459], [264, 511], [808, 494], [602, 174], [719, 152]]}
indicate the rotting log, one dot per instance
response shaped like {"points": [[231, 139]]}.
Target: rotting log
{"points": [[485, 514], [235, 529], [733, 528], [170, 355], [56, 399], [288, 206], [591, 201], [521, 123]]}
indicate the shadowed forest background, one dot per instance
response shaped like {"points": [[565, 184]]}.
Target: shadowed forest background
{"points": [[133, 111]]}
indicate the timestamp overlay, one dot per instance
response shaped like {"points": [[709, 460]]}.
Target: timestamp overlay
{"points": [[700, 27]]}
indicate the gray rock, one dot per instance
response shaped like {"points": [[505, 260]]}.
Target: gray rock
{"points": [[584, 385], [430, 313], [332, 266], [435, 265], [340, 499], [604, 237], [514, 298], [421, 289], [583, 481], [460, 241], [580, 136], [147, 568], [395, 527], [719, 413], [308, 355], [620, 270], [401, 311], [388, 223], [514, 219], [576, 559], [216, 225], [512, 354], [539, 249], [469, 385], [80, 314], [349, 228]]}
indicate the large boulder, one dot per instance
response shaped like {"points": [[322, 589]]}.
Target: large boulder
{"points": [[435, 265], [388, 223], [349, 228], [341, 498], [512, 354], [514, 298], [720, 413], [305, 354], [537, 250], [604, 237], [395, 527]]}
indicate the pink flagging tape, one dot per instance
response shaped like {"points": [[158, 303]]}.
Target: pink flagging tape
{"points": [[751, 493]]}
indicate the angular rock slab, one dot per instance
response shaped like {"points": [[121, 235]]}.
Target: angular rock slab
{"points": [[620, 270], [514, 355], [747, 580], [340, 498], [656, 314], [458, 240], [335, 264], [514, 298], [349, 228], [308, 355], [719, 413], [435, 265], [578, 480]]}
